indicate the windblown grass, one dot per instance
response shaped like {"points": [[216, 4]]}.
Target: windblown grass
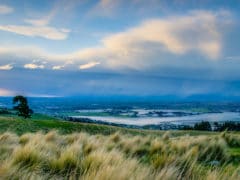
{"points": [[118, 156]]}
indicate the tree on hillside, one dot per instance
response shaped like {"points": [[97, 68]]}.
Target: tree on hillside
{"points": [[22, 107]]}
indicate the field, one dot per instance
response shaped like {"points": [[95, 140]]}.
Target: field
{"points": [[48, 148], [45, 124]]}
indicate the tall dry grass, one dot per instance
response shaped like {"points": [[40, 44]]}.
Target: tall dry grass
{"points": [[118, 156]]}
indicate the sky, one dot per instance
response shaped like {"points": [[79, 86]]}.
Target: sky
{"points": [[157, 48]]}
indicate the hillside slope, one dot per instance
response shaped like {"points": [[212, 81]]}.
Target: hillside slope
{"points": [[47, 148], [45, 123]]}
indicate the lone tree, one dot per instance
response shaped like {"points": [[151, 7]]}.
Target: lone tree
{"points": [[22, 107]]}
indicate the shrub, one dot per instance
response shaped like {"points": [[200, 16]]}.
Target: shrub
{"points": [[203, 126]]}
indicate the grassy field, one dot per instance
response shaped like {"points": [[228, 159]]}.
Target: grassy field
{"points": [[48, 148], [45, 124]]}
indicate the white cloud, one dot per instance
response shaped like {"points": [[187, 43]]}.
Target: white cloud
{"points": [[6, 9], [37, 31], [37, 22], [88, 65], [6, 67], [61, 67], [5, 92], [57, 67], [197, 32], [33, 66], [39, 27]]}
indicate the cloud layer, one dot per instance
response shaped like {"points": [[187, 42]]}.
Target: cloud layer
{"points": [[119, 47], [197, 32]]}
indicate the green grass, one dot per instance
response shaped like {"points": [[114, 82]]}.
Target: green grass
{"points": [[44, 123], [235, 154], [44, 147]]}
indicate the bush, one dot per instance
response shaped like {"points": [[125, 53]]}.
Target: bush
{"points": [[203, 126], [227, 126]]}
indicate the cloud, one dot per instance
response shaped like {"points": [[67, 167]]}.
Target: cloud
{"points": [[57, 67], [114, 8], [37, 31], [6, 9], [198, 31], [6, 67], [88, 65], [43, 21], [38, 22], [33, 66], [61, 67], [195, 33], [5, 92], [39, 25], [38, 28], [105, 8]]}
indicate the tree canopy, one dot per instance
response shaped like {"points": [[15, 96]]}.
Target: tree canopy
{"points": [[22, 107]]}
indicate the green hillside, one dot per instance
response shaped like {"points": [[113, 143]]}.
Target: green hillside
{"points": [[45, 123]]}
